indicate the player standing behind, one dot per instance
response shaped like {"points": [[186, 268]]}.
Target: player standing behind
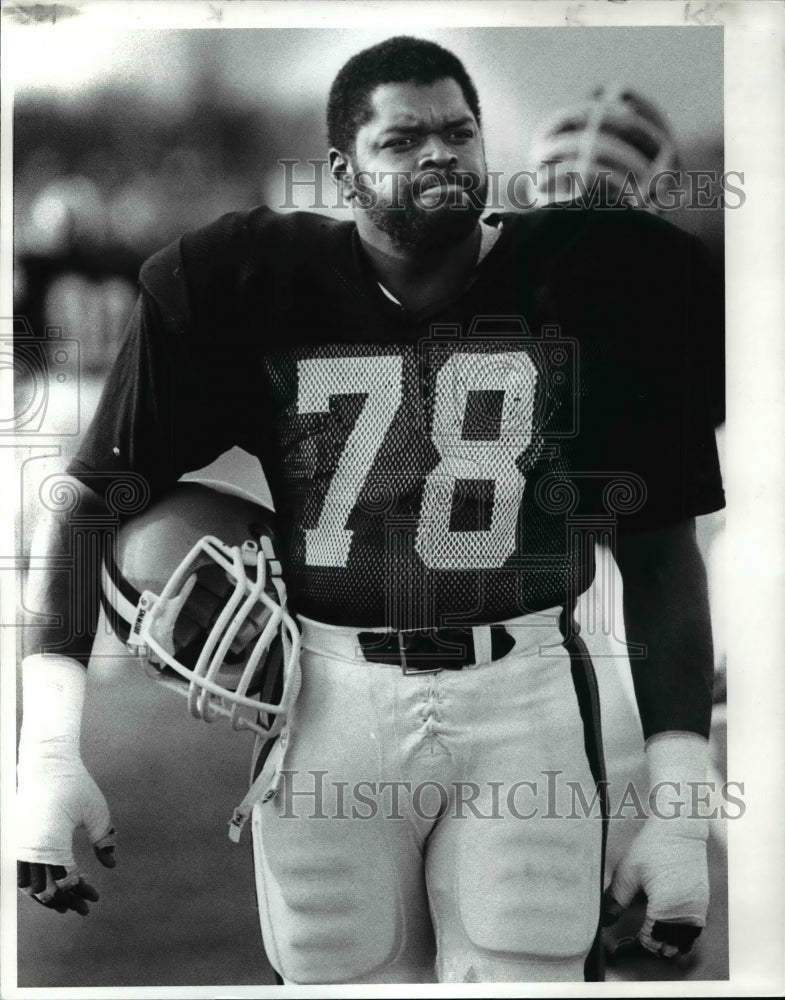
{"points": [[432, 455]]}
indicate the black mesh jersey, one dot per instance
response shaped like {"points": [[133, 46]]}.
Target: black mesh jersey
{"points": [[441, 467]]}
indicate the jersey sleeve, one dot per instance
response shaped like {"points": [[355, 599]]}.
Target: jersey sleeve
{"points": [[172, 402], [651, 455]]}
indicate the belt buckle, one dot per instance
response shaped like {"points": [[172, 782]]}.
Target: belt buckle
{"points": [[410, 671]]}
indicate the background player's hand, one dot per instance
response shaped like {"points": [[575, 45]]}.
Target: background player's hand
{"points": [[668, 862], [54, 799]]}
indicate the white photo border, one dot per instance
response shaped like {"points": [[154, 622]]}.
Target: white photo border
{"points": [[753, 33]]}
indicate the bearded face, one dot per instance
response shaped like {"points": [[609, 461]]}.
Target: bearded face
{"points": [[418, 169], [425, 211]]}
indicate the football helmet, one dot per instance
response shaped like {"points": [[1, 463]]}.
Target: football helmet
{"points": [[614, 134], [194, 588]]}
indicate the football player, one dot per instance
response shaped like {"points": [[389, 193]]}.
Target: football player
{"points": [[448, 408], [616, 144]]}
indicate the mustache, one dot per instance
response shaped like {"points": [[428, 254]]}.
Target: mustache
{"points": [[403, 190], [428, 180]]}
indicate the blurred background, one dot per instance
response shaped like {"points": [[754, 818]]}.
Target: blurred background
{"points": [[123, 140]]}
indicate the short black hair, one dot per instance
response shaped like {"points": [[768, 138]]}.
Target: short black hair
{"points": [[402, 59]]}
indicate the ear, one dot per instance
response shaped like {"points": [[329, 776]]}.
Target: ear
{"points": [[342, 172]]}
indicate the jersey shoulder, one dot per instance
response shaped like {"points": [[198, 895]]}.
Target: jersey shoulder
{"points": [[627, 265], [213, 263], [569, 229]]}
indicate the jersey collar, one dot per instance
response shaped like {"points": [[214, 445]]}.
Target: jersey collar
{"points": [[496, 235]]}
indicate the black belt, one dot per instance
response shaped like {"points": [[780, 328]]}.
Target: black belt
{"points": [[431, 650]]}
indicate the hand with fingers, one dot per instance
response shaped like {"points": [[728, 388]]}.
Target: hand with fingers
{"points": [[672, 870], [51, 807], [56, 795], [668, 859], [57, 889]]}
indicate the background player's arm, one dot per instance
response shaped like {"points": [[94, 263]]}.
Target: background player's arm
{"points": [[56, 794]]}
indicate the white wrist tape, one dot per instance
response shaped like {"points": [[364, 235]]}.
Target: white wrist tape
{"points": [[667, 858], [53, 690], [55, 793], [676, 754], [678, 764]]}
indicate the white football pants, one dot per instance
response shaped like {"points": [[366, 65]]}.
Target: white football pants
{"points": [[431, 827]]}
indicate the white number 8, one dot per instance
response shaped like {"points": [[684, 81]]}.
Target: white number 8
{"points": [[494, 460]]}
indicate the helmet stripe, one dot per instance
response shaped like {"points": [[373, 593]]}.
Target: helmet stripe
{"points": [[119, 582], [119, 610]]}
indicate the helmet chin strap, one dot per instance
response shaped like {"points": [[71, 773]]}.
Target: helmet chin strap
{"points": [[262, 789]]}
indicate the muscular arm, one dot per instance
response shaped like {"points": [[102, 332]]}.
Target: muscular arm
{"points": [[55, 792], [666, 608], [63, 585]]}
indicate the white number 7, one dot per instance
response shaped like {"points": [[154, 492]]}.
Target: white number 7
{"points": [[381, 379]]}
